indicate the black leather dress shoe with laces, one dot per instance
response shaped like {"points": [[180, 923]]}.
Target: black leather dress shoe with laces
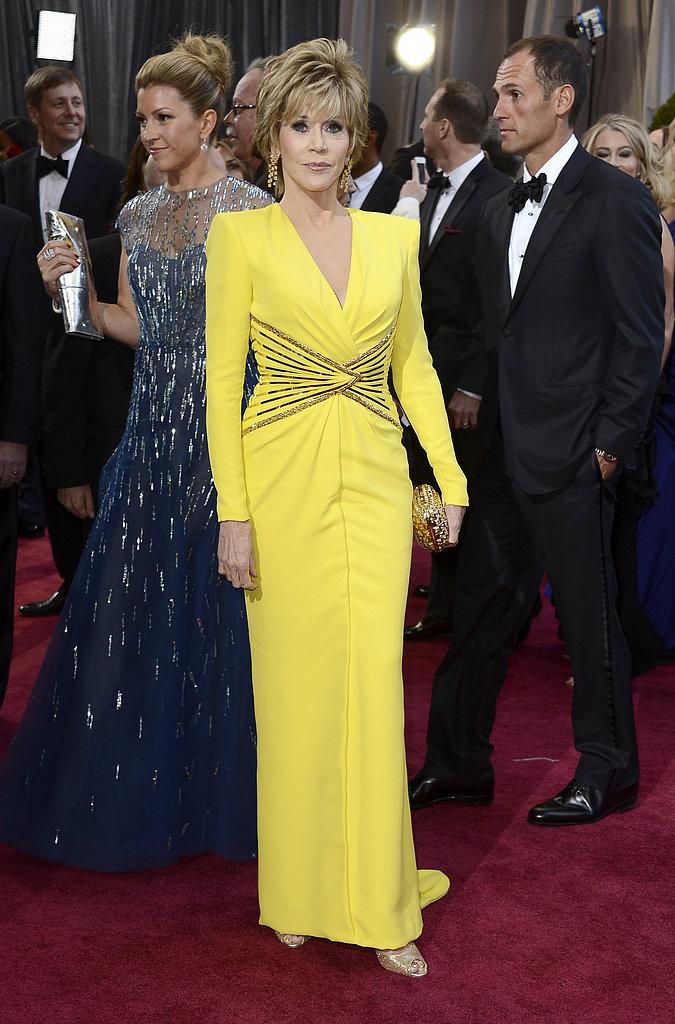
{"points": [[425, 791], [581, 804]]}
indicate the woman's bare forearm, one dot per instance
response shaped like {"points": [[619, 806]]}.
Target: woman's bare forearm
{"points": [[119, 323]]}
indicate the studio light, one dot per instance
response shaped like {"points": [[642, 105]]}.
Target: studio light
{"points": [[56, 36], [415, 47], [590, 23]]}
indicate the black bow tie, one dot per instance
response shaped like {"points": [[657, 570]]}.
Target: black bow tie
{"points": [[439, 180], [45, 165], [522, 191]]}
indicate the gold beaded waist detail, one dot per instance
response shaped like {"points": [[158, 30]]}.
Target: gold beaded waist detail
{"points": [[293, 376]]}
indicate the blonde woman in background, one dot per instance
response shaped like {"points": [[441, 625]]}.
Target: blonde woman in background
{"points": [[314, 503]]}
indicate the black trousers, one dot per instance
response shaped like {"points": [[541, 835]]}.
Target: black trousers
{"points": [[8, 542], [511, 540], [442, 585], [67, 534]]}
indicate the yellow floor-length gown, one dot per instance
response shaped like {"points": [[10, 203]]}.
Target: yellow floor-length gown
{"points": [[318, 466]]}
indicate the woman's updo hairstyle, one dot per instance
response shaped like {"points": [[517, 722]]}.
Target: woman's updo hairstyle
{"points": [[198, 67], [320, 76]]}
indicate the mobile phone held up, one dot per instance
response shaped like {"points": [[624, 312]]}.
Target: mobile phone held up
{"points": [[422, 173]]}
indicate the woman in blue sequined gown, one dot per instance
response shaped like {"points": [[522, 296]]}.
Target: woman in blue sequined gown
{"points": [[138, 744]]}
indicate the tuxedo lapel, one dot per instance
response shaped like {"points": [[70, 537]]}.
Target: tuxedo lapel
{"points": [[556, 208], [426, 214], [376, 193], [81, 180], [30, 197], [499, 229], [451, 214]]}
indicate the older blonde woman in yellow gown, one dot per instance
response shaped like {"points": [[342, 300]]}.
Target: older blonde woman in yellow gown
{"points": [[314, 502]]}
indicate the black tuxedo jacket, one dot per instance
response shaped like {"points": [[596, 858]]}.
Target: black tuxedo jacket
{"points": [[578, 346], [383, 195], [451, 305], [92, 192], [450, 299], [22, 331], [86, 395]]}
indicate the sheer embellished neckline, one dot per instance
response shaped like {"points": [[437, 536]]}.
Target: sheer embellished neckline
{"points": [[189, 192]]}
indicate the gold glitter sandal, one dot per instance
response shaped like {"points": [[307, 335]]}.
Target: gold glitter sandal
{"points": [[408, 961], [291, 940]]}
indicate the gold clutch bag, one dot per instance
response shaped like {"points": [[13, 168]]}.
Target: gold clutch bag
{"points": [[430, 524]]}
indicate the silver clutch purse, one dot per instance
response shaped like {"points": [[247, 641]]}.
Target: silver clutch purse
{"points": [[76, 289]]}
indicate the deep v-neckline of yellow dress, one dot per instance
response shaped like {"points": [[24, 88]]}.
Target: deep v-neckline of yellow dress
{"points": [[342, 304]]}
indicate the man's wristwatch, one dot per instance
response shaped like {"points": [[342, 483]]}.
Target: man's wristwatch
{"points": [[606, 455]]}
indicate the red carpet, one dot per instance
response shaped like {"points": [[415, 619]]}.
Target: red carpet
{"points": [[563, 926]]}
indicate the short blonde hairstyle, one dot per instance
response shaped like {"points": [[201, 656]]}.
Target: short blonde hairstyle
{"points": [[650, 164], [319, 76], [198, 67]]}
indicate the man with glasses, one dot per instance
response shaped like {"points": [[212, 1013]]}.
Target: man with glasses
{"points": [[240, 121]]}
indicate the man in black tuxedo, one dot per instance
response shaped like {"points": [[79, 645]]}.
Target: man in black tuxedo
{"points": [[376, 188], [455, 121], [571, 285], [85, 408], [21, 342], [62, 173]]}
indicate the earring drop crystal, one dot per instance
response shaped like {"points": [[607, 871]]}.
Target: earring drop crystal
{"points": [[204, 146], [273, 175], [343, 183]]}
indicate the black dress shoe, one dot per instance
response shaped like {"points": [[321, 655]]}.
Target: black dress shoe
{"points": [[421, 591], [581, 804], [427, 629], [425, 791], [30, 530], [50, 606]]}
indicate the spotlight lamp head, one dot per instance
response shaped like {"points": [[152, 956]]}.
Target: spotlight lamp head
{"points": [[415, 47], [590, 23]]}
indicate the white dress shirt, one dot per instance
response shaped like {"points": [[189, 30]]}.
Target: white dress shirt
{"points": [[525, 220], [363, 186], [53, 185], [457, 178]]}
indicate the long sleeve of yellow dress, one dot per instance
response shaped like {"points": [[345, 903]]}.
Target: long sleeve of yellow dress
{"points": [[417, 384], [228, 313]]}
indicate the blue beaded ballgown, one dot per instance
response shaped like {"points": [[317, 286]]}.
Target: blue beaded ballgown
{"points": [[138, 743]]}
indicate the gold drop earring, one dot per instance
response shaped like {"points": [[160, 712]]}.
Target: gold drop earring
{"points": [[273, 174], [343, 183]]}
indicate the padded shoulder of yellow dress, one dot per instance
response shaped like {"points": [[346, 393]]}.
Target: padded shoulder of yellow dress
{"points": [[405, 229]]}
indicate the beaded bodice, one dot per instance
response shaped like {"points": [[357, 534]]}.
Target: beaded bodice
{"points": [[293, 376], [164, 236]]}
